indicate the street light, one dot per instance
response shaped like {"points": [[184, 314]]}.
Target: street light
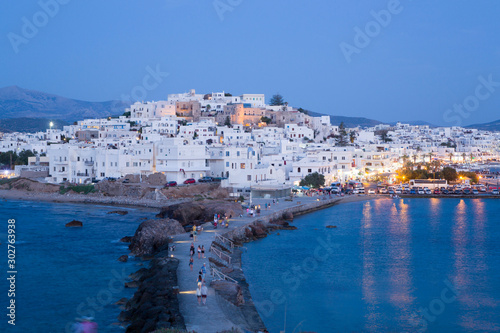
{"points": [[51, 124]]}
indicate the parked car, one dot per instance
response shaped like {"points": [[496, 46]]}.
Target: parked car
{"points": [[420, 191], [457, 191], [371, 191], [475, 192], [383, 190], [171, 183], [361, 190], [428, 192], [126, 181], [445, 191], [391, 191], [398, 191], [413, 191], [494, 192], [437, 191], [467, 191], [205, 180], [190, 181]]}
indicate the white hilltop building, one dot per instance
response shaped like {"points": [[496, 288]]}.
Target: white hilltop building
{"points": [[240, 139]]}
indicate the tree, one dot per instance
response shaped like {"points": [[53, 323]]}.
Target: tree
{"points": [[315, 180], [277, 99], [352, 136], [227, 122], [449, 174], [265, 119], [342, 136], [126, 114], [195, 135], [301, 110]]}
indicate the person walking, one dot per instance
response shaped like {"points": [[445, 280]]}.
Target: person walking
{"points": [[203, 251], [198, 293], [191, 250], [204, 293], [191, 262], [199, 252]]}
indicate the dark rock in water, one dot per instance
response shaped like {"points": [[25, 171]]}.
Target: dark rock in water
{"points": [[123, 258], [154, 304], [153, 235], [289, 227], [121, 301], [119, 212], [131, 284], [331, 226], [126, 239], [74, 223]]}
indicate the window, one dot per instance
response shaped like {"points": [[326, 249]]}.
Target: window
{"points": [[227, 164], [249, 177], [298, 169], [227, 153], [309, 170], [242, 165]]}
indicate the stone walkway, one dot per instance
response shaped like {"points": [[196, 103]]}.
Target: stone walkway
{"points": [[210, 318]]}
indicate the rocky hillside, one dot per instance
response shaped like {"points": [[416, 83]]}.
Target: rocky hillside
{"points": [[16, 102]]}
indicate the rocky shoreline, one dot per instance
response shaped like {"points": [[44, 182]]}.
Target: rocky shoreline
{"points": [[155, 304]]}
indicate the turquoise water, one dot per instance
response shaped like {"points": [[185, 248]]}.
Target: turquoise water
{"points": [[65, 273], [406, 265]]}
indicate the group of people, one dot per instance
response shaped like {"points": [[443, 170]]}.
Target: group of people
{"points": [[201, 290], [224, 221]]}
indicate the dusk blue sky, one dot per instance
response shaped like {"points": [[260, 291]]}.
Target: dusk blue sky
{"points": [[425, 60]]}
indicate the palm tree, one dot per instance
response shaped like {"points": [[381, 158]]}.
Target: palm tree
{"points": [[463, 156], [451, 156], [405, 158], [430, 156]]}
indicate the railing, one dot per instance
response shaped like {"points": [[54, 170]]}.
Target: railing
{"points": [[218, 275], [220, 254], [225, 241], [89, 163]]}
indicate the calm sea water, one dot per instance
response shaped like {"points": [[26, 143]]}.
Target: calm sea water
{"points": [[65, 273], [406, 265]]}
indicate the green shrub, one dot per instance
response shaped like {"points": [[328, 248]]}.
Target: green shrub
{"points": [[85, 189]]}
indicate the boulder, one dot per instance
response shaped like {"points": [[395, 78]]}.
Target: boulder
{"points": [[119, 212], [131, 284], [197, 212], [126, 239], [152, 235], [74, 223], [123, 258]]}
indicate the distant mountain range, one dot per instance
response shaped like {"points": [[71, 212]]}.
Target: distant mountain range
{"points": [[23, 110], [493, 126], [16, 102]]}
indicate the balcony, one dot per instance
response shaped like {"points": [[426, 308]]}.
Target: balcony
{"points": [[89, 163]]}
